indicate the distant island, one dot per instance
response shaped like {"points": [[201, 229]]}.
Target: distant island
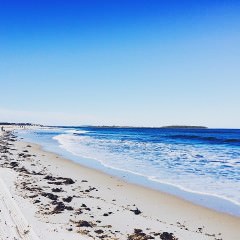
{"points": [[172, 126], [188, 127]]}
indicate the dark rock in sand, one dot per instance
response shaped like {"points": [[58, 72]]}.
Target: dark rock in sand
{"points": [[136, 211], [139, 235], [50, 196], [105, 236], [65, 181], [68, 181], [59, 208], [51, 178], [14, 164], [84, 224], [57, 190], [99, 231], [23, 170], [36, 173], [167, 236], [33, 196], [69, 208], [68, 199]]}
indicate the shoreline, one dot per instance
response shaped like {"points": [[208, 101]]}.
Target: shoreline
{"points": [[158, 211], [209, 201], [161, 187]]}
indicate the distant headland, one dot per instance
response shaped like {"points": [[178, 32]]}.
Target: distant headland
{"points": [[171, 126], [188, 127]]}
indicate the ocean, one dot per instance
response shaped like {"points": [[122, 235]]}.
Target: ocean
{"points": [[199, 165]]}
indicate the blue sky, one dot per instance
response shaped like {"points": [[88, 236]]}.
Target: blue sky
{"points": [[141, 63]]}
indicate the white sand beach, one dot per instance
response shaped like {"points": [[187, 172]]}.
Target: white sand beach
{"points": [[44, 196]]}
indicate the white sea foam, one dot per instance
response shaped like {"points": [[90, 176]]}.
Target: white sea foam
{"points": [[76, 131]]}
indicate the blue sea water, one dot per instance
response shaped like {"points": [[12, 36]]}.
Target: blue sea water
{"points": [[200, 165]]}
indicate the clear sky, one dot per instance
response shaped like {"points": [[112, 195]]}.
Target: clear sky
{"points": [[120, 62]]}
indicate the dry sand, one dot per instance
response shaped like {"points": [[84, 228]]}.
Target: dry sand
{"points": [[55, 198]]}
